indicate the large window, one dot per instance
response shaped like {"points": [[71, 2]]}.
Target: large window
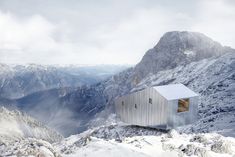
{"points": [[183, 105]]}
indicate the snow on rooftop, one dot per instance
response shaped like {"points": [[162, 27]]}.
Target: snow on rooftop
{"points": [[175, 91]]}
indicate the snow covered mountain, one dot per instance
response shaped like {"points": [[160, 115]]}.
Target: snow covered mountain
{"points": [[210, 72], [214, 80], [211, 75], [177, 48]]}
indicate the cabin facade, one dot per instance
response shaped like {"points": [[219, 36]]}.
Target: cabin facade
{"points": [[163, 107]]}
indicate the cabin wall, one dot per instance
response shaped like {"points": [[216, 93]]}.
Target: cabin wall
{"points": [[144, 114], [159, 114], [176, 119]]}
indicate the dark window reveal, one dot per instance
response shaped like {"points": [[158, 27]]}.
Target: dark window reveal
{"points": [[150, 100], [122, 103], [135, 106]]}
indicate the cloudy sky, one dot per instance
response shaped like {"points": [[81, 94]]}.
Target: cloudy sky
{"points": [[103, 31]]}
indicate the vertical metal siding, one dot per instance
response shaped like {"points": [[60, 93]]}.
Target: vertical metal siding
{"points": [[145, 114]]}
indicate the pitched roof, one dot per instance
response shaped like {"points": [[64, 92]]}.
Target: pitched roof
{"points": [[175, 91]]}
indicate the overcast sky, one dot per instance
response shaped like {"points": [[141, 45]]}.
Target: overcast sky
{"points": [[103, 31]]}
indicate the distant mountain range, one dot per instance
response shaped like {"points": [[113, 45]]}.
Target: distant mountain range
{"points": [[17, 81]]}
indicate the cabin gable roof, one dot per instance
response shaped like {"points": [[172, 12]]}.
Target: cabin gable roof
{"points": [[175, 91]]}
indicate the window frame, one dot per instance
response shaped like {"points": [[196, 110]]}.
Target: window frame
{"points": [[183, 106]]}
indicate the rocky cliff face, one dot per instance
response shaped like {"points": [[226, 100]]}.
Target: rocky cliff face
{"points": [[177, 48]]}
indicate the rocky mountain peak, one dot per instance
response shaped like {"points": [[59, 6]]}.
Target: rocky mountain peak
{"points": [[191, 41], [178, 48]]}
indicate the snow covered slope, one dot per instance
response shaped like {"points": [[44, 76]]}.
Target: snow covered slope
{"points": [[115, 141], [119, 140], [15, 125], [212, 78]]}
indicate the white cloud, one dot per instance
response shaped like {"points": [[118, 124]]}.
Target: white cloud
{"points": [[105, 33], [23, 39], [216, 18], [136, 34]]}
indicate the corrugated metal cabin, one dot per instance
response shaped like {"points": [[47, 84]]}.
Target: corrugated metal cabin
{"points": [[163, 107]]}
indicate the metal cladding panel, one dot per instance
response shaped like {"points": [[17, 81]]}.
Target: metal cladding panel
{"points": [[160, 108], [138, 111], [176, 119]]}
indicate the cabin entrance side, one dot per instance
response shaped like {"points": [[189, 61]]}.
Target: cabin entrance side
{"points": [[182, 111]]}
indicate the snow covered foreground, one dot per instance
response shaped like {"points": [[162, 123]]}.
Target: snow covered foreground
{"points": [[21, 136], [116, 141]]}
